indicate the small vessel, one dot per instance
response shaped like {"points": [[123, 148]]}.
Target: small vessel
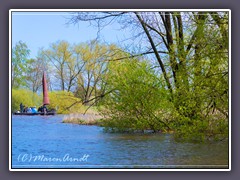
{"points": [[52, 112], [43, 109]]}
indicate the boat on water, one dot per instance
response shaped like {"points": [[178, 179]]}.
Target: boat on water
{"points": [[38, 113], [41, 110]]}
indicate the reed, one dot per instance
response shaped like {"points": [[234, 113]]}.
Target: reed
{"points": [[83, 119]]}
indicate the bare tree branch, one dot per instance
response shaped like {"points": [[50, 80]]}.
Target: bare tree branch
{"points": [[155, 52]]}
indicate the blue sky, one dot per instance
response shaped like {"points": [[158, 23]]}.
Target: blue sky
{"points": [[40, 29]]}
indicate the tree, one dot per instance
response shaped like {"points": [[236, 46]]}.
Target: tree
{"points": [[20, 53], [59, 54], [95, 58], [79, 68], [65, 64], [34, 74]]}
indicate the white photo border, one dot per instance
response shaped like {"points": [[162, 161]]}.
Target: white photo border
{"points": [[113, 10]]}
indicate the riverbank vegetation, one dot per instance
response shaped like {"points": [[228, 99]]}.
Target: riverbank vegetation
{"points": [[175, 79]]}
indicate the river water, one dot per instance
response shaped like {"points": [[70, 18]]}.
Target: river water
{"points": [[45, 142]]}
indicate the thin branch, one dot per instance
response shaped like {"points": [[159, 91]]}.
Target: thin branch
{"points": [[138, 55], [155, 52], [100, 96], [81, 17]]}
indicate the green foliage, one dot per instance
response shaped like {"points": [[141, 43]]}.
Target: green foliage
{"points": [[201, 130], [28, 98], [35, 69], [94, 57], [137, 101], [20, 53], [202, 104], [65, 102]]}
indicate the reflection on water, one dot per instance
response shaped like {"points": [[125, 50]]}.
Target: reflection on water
{"points": [[45, 142]]}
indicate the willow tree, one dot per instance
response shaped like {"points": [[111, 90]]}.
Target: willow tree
{"points": [[65, 64], [94, 57]]}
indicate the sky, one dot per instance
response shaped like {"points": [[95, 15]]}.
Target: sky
{"points": [[40, 29]]}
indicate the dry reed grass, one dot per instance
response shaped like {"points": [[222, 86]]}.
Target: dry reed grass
{"points": [[83, 119]]}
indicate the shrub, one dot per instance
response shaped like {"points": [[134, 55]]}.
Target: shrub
{"points": [[26, 97], [65, 102], [138, 100]]}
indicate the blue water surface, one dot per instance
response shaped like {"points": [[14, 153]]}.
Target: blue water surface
{"points": [[46, 142]]}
